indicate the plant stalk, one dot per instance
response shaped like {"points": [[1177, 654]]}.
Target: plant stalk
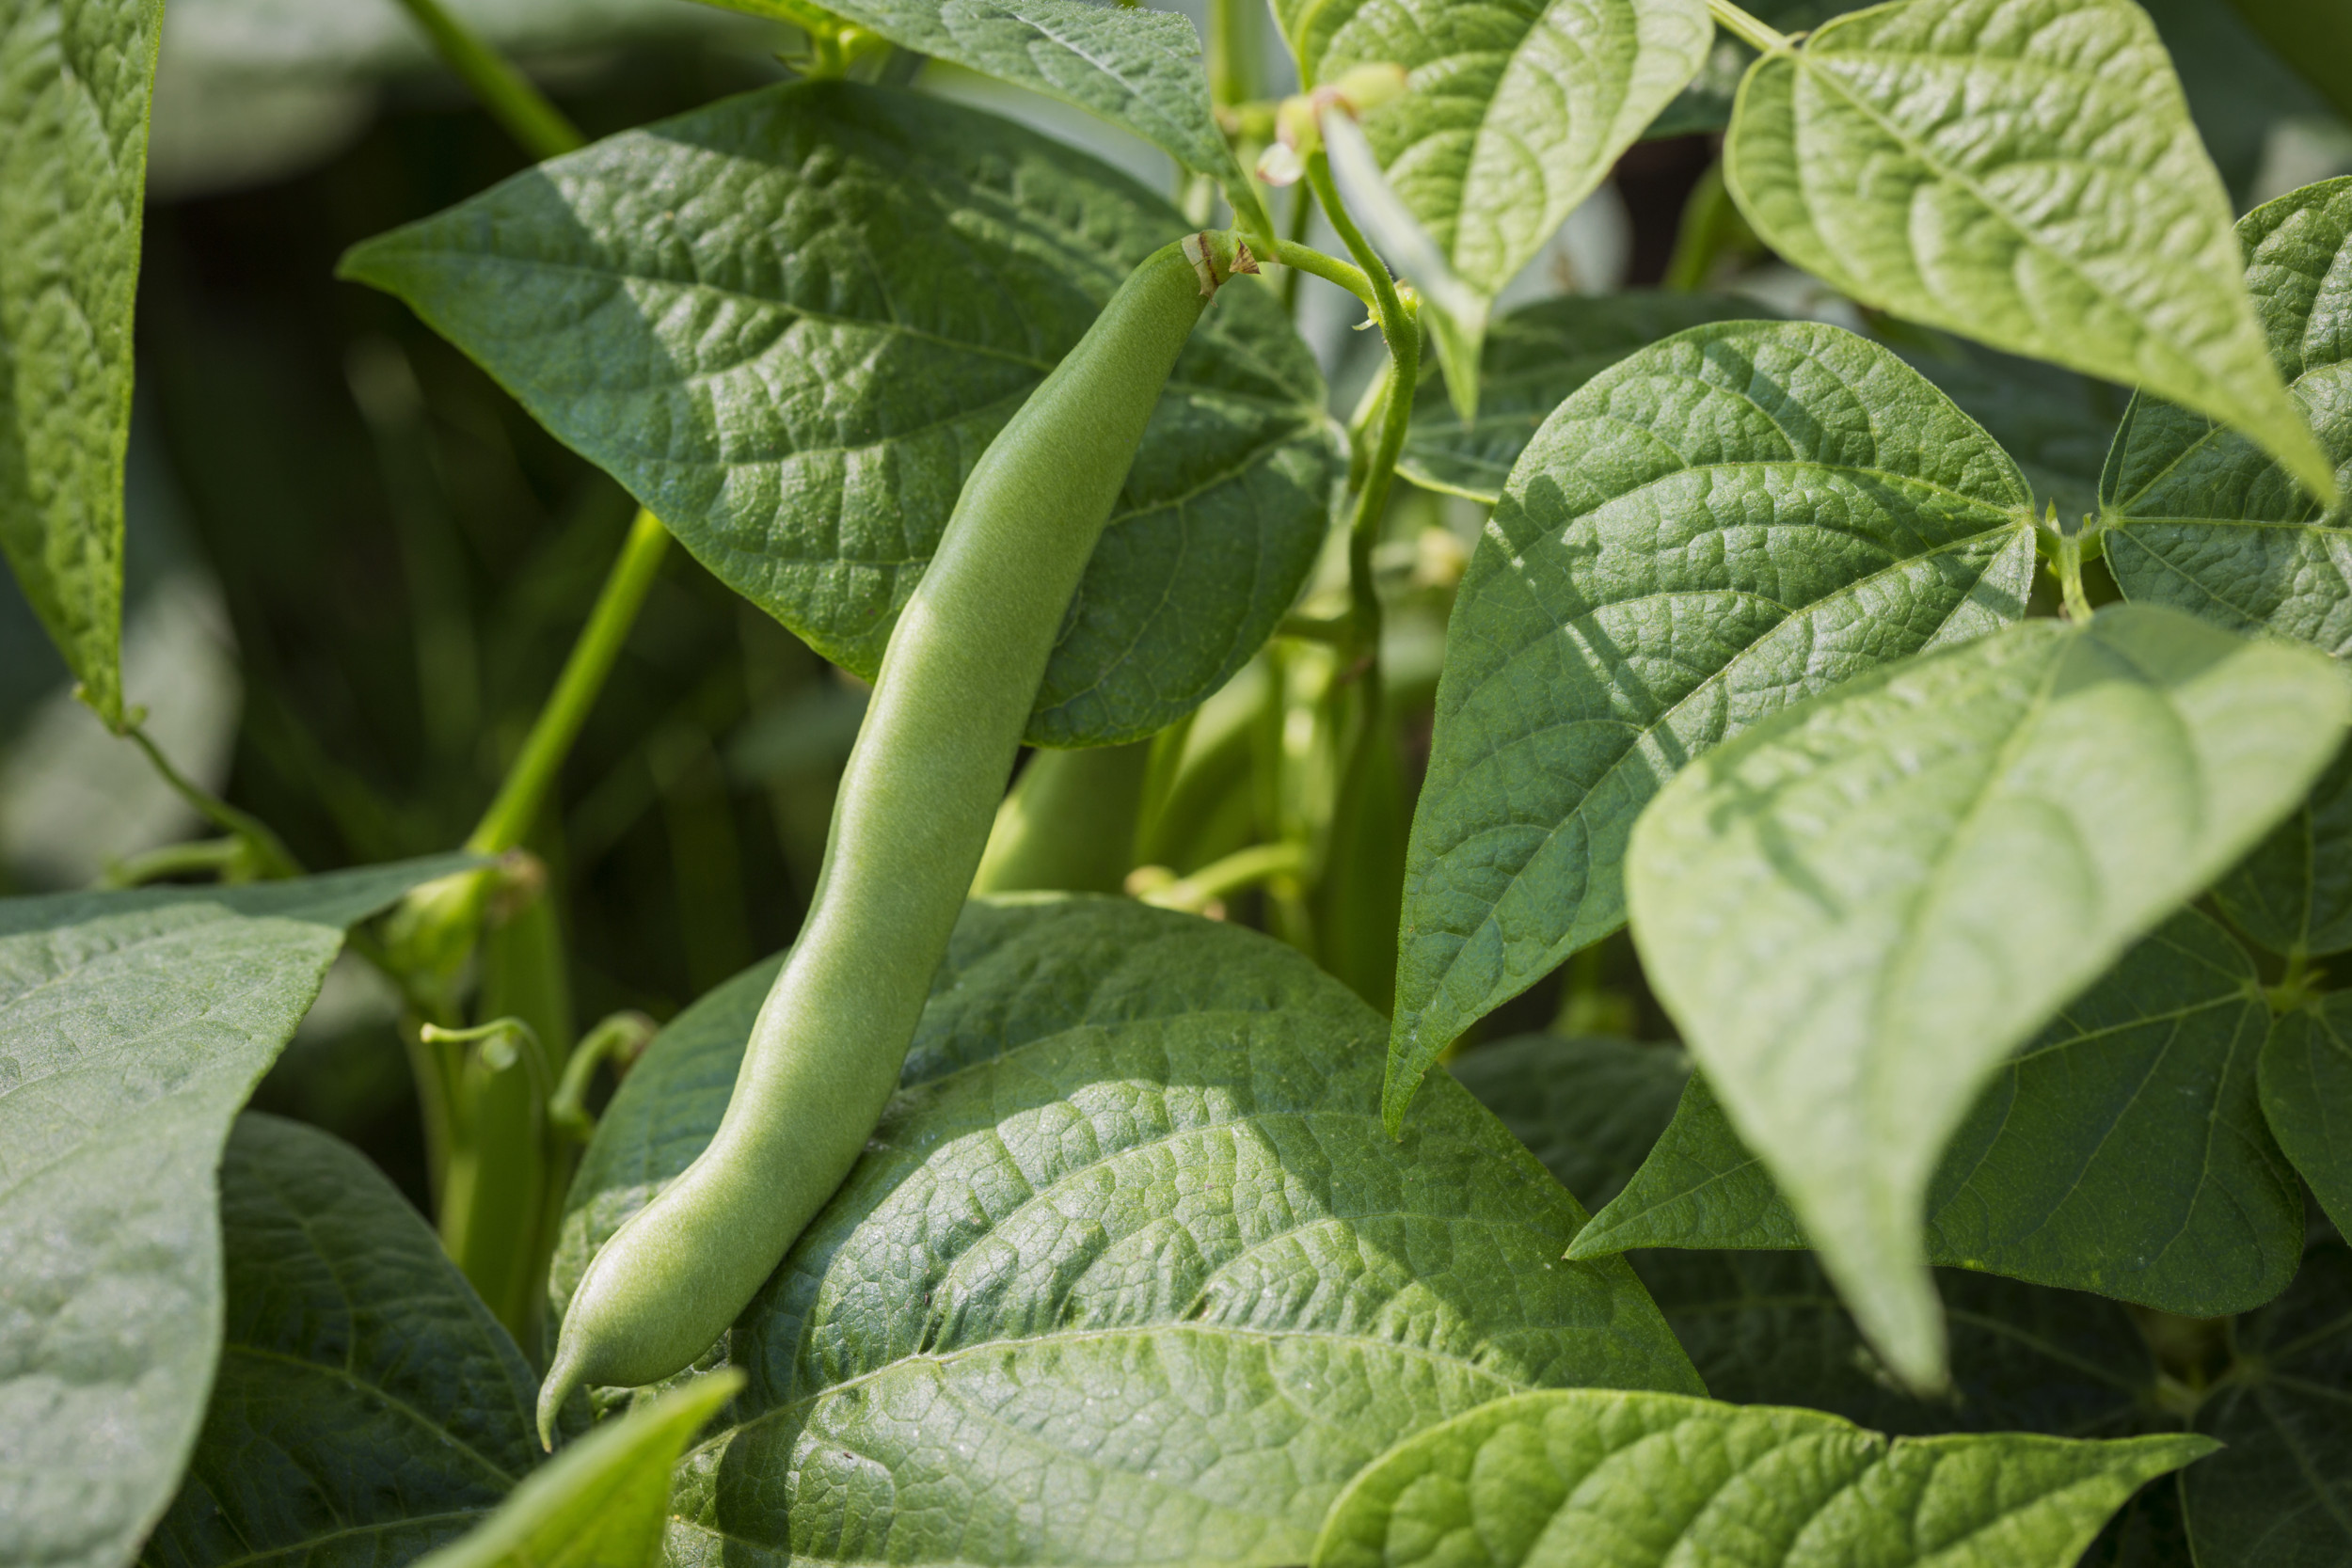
{"points": [[1740, 24], [528, 782], [512, 101]]}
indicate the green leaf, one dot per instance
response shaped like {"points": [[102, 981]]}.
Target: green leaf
{"points": [[1768, 1328], [2294, 892], [2306, 1095], [2055, 423], [1515, 114], [1534, 358], [1563, 1477], [1588, 1108], [1129, 1269], [132, 1027], [1138, 69], [2121, 1150], [1858, 912], [604, 1500], [2280, 1495], [2027, 175], [368, 1406], [789, 324], [1720, 525], [2201, 519], [75, 80]]}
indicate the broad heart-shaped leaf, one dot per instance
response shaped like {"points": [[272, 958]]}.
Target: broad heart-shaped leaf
{"points": [[2024, 172], [1570, 1477], [789, 324], [368, 1406], [2122, 1150], [1722, 523], [2197, 517], [1856, 912], [1515, 113], [1131, 1272], [2307, 1096], [132, 1027], [2294, 892], [604, 1500], [76, 77], [1588, 1108], [2280, 1495], [1534, 358], [1138, 69]]}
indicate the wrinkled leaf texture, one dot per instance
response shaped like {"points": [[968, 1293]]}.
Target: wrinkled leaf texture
{"points": [[1534, 358], [75, 81], [1553, 1480], [132, 1025], [789, 324], [1131, 1272], [367, 1407], [2201, 519], [2122, 1150], [1137, 68], [2024, 172], [1516, 112], [1858, 912], [1721, 524]]}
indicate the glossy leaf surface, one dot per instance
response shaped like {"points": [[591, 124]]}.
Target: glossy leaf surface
{"points": [[2306, 1095], [1534, 358], [368, 1406], [132, 1027], [2122, 1150], [2200, 518], [1720, 525], [75, 80], [1858, 912], [791, 322], [2024, 172], [1131, 1269], [1544, 1479], [1514, 114], [2280, 1495]]}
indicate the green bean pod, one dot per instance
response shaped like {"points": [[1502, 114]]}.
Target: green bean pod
{"points": [[957, 684]]}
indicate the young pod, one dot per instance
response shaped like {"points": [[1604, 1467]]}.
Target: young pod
{"points": [[953, 697]]}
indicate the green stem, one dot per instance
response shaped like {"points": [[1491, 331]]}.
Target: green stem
{"points": [[507, 93], [623, 1039], [1229, 62], [525, 790], [1732, 19], [216, 857], [1306, 258], [1302, 211], [1400, 330], [1699, 239], [270, 855], [1241, 869]]}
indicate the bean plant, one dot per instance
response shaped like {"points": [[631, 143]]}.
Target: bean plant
{"points": [[1736, 970]]}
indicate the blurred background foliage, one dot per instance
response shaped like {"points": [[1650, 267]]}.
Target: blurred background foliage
{"points": [[356, 566]]}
